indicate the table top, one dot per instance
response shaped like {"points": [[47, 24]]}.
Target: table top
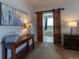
{"points": [[21, 40], [71, 34]]}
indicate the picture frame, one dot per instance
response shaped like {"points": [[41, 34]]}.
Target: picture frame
{"points": [[10, 16]]}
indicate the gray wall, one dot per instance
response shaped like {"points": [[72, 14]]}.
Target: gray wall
{"points": [[21, 5], [71, 11]]}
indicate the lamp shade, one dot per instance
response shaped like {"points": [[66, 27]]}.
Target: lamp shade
{"points": [[72, 24]]}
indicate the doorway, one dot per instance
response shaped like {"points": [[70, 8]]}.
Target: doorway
{"points": [[48, 27], [57, 25]]}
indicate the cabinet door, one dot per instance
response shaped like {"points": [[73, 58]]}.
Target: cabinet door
{"points": [[71, 42]]}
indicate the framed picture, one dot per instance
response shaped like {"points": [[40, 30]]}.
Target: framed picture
{"points": [[10, 16]]}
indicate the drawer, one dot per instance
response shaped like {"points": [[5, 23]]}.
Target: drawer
{"points": [[71, 41]]}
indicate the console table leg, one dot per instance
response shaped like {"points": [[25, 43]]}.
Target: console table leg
{"points": [[27, 45], [13, 52], [33, 43], [4, 52]]}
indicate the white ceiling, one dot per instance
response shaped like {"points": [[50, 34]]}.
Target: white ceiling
{"points": [[38, 4]]}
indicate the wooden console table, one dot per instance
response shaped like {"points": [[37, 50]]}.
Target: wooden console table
{"points": [[71, 41], [14, 45]]}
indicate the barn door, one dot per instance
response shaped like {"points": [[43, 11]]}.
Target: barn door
{"points": [[39, 27], [57, 25]]}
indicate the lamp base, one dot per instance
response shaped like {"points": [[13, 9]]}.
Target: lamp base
{"points": [[71, 31]]}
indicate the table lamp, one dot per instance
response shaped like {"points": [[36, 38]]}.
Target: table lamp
{"points": [[72, 24]]}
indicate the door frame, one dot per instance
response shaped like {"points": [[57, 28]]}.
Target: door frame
{"points": [[41, 40], [45, 23]]}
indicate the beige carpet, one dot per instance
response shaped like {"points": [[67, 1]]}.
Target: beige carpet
{"points": [[51, 51]]}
